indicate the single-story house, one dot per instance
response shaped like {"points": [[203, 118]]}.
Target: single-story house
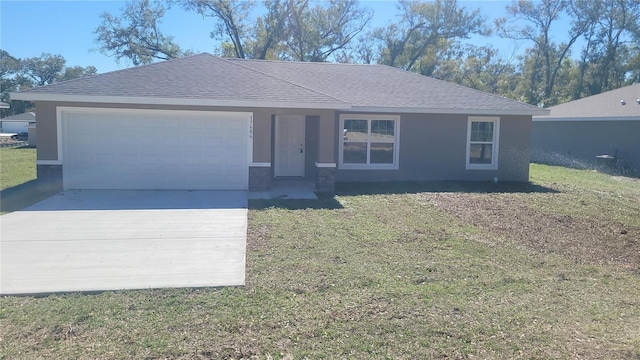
{"points": [[205, 122], [17, 123], [576, 133]]}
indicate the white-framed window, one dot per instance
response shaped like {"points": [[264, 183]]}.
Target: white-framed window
{"points": [[483, 133], [369, 142]]}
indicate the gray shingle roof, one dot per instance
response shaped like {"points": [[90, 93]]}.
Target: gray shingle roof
{"points": [[204, 78], [194, 77], [605, 105], [383, 86], [25, 116]]}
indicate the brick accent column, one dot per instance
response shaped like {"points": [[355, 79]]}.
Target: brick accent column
{"points": [[326, 178], [259, 178]]}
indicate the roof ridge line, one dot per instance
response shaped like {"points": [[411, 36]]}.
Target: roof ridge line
{"points": [[318, 63], [238, 63]]}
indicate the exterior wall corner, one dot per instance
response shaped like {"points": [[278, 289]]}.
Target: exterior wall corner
{"points": [[50, 177], [259, 178], [326, 180]]}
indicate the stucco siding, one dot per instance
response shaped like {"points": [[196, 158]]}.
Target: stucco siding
{"points": [[311, 146], [433, 147], [577, 143], [33, 136], [327, 130], [515, 148], [47, 131], [47, 142]]}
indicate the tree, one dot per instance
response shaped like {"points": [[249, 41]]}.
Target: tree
{"points": [[44, 69], [607, 60], [230, 16], [634, 60], [9, 65], [269, 31], [135, 35], [10, 80], [364, 51], [423, 32], [76, 72], [48, 68], [289, 29], [534, 22], [479, 68], [21, 74], [315, 33]]}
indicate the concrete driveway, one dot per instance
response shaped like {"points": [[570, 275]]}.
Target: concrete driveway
{"points": [[92, 240]]}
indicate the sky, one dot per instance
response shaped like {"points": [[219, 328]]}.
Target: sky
{"points": [[29, 28]]}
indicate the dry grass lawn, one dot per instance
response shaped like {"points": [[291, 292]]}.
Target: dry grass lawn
{"points": [[548, 270]]}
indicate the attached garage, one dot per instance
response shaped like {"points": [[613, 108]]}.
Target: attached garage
{"points": [[154, 149]]}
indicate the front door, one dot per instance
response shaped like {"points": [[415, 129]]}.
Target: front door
{"points": [[289, 153]]}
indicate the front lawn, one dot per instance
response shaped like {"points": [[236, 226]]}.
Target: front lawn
{"points": [[18, 185], [17, 166], [418, 271]]}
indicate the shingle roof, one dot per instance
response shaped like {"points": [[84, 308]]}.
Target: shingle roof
{"points": [[383, 86], [25, 116], [205, 79], [198, 77], [605, 105]]}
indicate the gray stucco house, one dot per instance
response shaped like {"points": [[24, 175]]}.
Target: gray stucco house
{"points": [[204, 122], [576, 132]]}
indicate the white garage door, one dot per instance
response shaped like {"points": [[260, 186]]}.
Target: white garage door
{"points": [[155, 149]]}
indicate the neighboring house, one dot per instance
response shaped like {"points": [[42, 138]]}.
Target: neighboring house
{"points": [[204, 122], [17, 123], [3, 106], [576, 132]]}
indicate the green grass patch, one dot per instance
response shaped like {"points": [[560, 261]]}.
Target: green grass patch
{"points": [[589, 194], [18, 185], [17, 166], [426, 274]]}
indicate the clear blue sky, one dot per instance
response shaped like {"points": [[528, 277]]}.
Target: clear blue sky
{"points": [[29, 28]]}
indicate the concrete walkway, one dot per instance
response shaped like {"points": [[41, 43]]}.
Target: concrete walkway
{"points": [[93, 240]]}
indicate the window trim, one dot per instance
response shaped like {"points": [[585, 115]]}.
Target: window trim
{"points": [[495, 147], [369, 117]]}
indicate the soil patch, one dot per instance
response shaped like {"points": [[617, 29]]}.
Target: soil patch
{"points": [[584, 240], [6, 141]]}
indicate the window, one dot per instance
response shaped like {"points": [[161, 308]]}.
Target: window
{"points": [[369, 142], [482, 143]]}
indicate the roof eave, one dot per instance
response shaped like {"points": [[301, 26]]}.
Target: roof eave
{"points": [[27, 96], [585, 118], [32, 96], [470, 111]]}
